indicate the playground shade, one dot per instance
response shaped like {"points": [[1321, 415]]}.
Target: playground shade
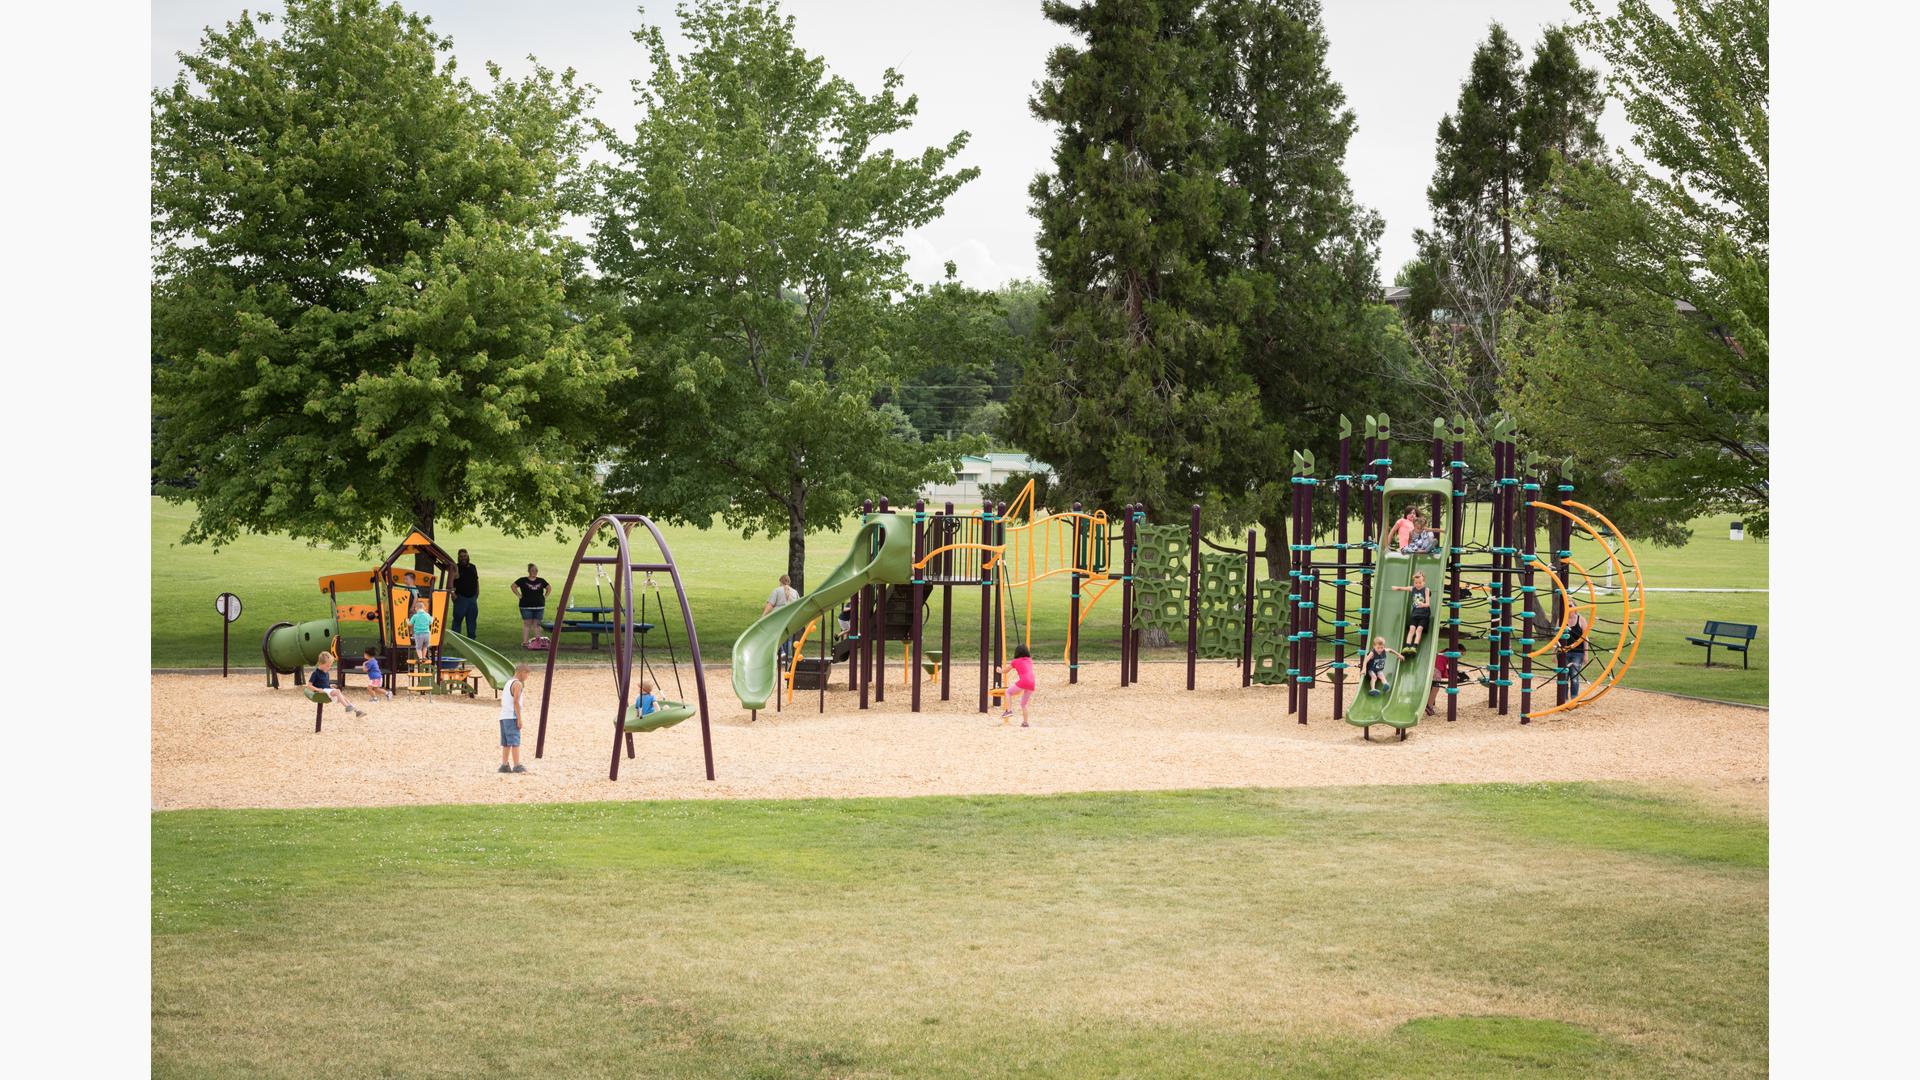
{"points": [[497, 668], [1400, 705], [882, 555]]}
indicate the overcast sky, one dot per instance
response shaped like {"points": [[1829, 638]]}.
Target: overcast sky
{"points": [[973, 66]]}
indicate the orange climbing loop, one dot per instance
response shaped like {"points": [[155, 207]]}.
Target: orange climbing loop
{"points": [[1632, 602]]}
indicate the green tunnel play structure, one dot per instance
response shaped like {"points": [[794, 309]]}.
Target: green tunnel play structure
{"points": [[882, 554], [288, 647]]}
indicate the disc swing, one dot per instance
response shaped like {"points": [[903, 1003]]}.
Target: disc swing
{"points": [[665, 713]]}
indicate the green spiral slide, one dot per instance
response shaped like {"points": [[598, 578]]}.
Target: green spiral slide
{"points": [[1408, 677], [882, 555]]}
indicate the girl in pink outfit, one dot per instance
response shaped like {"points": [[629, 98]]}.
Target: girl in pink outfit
{"points": [[1022, 670], [1403, 529]]}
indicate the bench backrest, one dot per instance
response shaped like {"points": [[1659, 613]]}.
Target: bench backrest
{"points": [[1748, 631]]}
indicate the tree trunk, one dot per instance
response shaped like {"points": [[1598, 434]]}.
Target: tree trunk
{"points": [[423, 510], [797, 536], [1274, 524]]}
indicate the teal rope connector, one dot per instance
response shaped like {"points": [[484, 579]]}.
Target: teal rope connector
{"points": [[1529, 487], [1564, 487], [1364, 611], [1338, 665], [1509, 481], [1452, 654], [1381, 461], [1453, 689], [1456, 464], [1304, 678]]}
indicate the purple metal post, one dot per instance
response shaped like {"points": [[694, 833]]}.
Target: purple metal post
{"points": [[1341, 482], [1246, 612], [1126, 594], [1073, 603], [1457, 540], [986, 600], [1193, 596], [864, 659], [945, 563], [918, 598]]}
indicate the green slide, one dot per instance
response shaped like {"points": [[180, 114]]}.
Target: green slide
{"points": [[1410, 676], [882, 555], [492, 663]]}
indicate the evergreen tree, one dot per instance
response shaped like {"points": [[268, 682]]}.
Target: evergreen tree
{"points": [[1492, 153], [360, 295], [1315, 338], [1211, 282], [1142, 396]]}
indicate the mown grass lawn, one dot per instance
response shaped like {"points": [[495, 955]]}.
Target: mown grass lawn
{"points": [[729, 579], [1560, 930]]}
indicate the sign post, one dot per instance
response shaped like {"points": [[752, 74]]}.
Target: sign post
{"points": [[228, 605]]}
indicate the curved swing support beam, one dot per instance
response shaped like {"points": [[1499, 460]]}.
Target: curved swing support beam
{"points": [[623, 645]]}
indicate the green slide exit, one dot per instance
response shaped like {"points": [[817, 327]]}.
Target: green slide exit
{"points": [[492, 663], [1410, 676], [882, 555]]}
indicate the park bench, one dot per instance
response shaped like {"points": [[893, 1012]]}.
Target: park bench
{"points": [[1726, 635]]}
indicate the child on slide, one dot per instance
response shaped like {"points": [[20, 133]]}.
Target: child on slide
{"points": [[1021, 668], [322, 680], [1375, 666], [1421, 613]]}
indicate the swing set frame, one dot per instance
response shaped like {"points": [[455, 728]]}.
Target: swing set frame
{"points": [[624, 653]]}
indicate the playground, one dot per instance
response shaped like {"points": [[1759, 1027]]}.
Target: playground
{"points": [[228, 743]]}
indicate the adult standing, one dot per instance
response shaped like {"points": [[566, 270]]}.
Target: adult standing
{"points": [[782, 595], [466, 596], [532, 593]]}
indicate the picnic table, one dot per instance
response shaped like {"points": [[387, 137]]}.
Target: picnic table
{"points": [[594, 620]]}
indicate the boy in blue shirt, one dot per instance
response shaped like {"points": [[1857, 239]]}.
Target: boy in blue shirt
{"points": [[322, 680], [645, 703], [422, 626], [371, 665]]}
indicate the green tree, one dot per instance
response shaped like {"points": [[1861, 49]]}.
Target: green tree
{"points": [[1213, 284], [1648, 368], [1492, 153], [1142, 395], [749, 234], [962, 343], [360, 291], [1315, 338]]}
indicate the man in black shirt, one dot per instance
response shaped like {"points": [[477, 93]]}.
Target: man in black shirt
{"points": [[466, 596], [532, 591]]}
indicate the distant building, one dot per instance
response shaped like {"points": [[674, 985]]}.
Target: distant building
{"points": [[976, 472]]}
